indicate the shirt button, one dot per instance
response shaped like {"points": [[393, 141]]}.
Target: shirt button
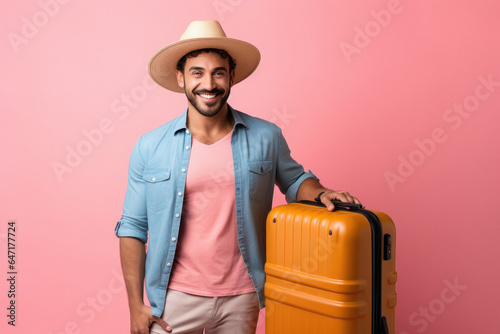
{"points": [[187, 130], [179, 194], [183, 170], [177, 215], [169, 264], [187, 147], [153, 179], [173, 239]]}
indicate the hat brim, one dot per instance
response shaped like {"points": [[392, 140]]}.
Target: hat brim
{"points": [[162, 66]]}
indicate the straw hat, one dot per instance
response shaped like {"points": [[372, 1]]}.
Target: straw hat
{"points": [[201, 35]]}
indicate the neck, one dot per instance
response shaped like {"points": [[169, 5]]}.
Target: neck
{"points": [[209, 129]]}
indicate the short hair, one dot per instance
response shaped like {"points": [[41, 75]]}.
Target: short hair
{"points": [[182, 62]]}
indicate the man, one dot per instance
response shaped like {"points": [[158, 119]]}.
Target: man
{"points": [[200, 188]]}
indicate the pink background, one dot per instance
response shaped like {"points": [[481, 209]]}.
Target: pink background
{"points": [[365, 94]]}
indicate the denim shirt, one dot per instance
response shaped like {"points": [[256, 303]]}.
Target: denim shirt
{"points": [[155, 192]]}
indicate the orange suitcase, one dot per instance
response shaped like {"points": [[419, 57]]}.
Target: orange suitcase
{"points": [[330, 272]]}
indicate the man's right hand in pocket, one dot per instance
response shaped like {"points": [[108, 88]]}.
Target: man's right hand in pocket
{"points": [[141, 319]]}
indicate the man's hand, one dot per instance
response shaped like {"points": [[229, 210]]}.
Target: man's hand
{"points": [[133, 258], [343, 196], [141, 319], [311, 188]]}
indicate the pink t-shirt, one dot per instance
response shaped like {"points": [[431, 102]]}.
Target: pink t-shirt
{"points": [[208, 261]]}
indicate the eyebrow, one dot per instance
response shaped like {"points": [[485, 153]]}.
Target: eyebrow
{"points": [[199, 68], [221, 68]]}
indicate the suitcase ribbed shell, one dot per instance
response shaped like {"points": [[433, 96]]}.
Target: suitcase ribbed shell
{"points": [[319, 271]]}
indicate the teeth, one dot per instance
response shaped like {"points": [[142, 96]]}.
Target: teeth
{"points": [[207, 96]]}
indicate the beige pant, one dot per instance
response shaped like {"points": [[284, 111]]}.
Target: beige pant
{"points": [[190, 314]]}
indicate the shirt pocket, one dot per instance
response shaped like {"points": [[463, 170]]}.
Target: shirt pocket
{"points": [[261, 180], [158, 189]]}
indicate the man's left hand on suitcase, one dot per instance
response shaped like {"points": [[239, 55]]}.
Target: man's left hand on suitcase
{"points": [[343, 196], [311, 188]]}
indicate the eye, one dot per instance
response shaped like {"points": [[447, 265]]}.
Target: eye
{"points": [[196, 73], [219, 74]]}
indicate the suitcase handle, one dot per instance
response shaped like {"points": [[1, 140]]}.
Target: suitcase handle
{"points": [[344, 205], [338, 205]]}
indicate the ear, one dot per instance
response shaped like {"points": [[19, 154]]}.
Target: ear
{"points": [[231, 79], [180, 78]]}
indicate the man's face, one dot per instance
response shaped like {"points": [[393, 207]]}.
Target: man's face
{"points": [[207, 82]]}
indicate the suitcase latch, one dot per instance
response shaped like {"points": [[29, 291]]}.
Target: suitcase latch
{"points": [[387, 247]]}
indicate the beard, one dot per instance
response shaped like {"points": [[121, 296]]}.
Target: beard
{"points": [[208, 109]]}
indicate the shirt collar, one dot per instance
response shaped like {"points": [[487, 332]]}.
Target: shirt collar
{"points": [[237, 117], [180, 123]]}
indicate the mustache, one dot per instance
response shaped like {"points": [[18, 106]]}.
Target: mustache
{"points": [[213, 91]]}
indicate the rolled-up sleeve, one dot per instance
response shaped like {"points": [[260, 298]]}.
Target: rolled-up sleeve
{"points": [[289, 173], [134, 222]]}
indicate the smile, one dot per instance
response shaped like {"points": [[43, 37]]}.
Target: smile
{"points": [[208, 96]]}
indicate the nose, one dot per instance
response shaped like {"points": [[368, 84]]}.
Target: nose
{"points": [[208, 82]]}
